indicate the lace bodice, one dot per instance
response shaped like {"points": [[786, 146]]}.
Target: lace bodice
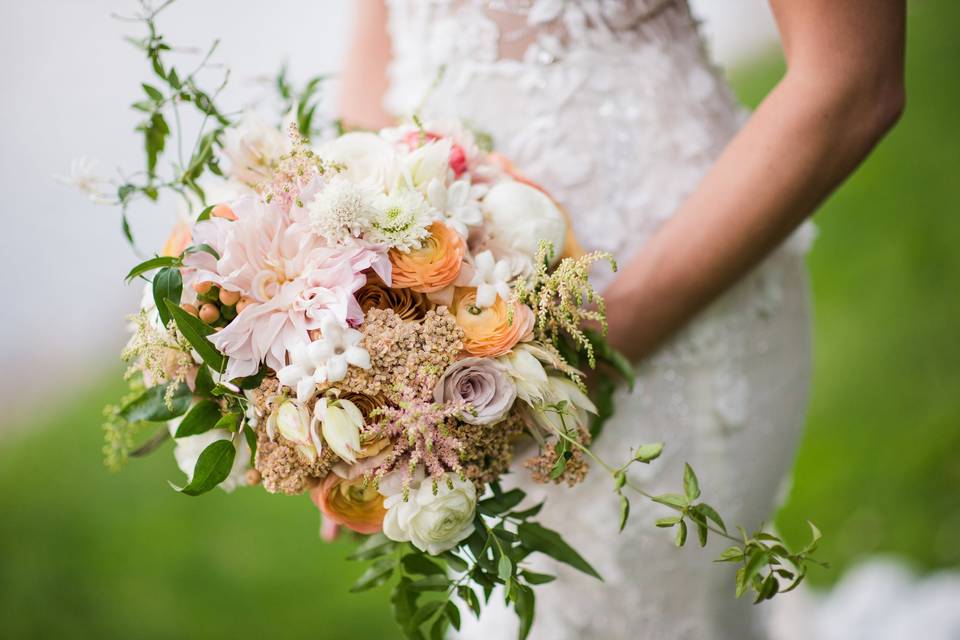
{"points": [[614, 107]]}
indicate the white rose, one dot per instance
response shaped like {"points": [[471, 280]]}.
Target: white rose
{"points": [[432, 522], [368, 158], [519, 217]]}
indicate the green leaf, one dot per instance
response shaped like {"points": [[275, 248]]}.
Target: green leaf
{"points": [[213, 467], [425, 612], [431, 583], [815, 537], [205, 214], [537, 578], [438, 630], [196, 332], [647, 453], [152, 92], [418, 564], [150, 265], [681, 534], [755, 562], [453, 615], [229, 421], [672, 500], [151, 445], [167, 285], [741, 582], [712, 514], [375, 575], [524, 604], [624, 511], [151, 405], [691, 487], [671, 521], [498, 504], [504, 568], [731, 554], [204, 247], [702, 532], [469, 596], [527, 513], [456, 563], [373, 547], [199, 419], [550, 543]]}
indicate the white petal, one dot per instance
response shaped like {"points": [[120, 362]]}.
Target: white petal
{"points": [[305, 389], [358, 357], [336, 368], [486, 295], [485, 262]]}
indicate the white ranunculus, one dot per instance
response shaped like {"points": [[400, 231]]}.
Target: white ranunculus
{"points": [[519, 217], [188, 450], [368, 158], [432, 522]]}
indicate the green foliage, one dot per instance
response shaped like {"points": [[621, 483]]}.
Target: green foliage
{"points": [[212, 468], [156, 404], [201, 418], [196, 332], [301, 103], [167, 289], [425, 588]]}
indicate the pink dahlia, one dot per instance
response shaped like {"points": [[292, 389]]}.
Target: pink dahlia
{"points": [[290, 276]]}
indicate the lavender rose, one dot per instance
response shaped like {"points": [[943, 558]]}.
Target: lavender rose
{"points": [[483, 383]]}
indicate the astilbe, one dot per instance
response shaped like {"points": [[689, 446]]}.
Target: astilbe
{"points": [[563, 299], [159, 354], [293, 172], [422, 432]]}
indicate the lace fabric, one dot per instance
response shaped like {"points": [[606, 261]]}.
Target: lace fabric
{"points": [[613, 106]]}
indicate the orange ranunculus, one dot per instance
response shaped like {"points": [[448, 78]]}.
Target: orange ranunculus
{"points": [[490, 332], [355, 504], [434, 265], [178, 241]]}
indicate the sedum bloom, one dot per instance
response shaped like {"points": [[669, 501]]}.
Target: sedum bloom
{"points": [[435, 517], [340, 422]]}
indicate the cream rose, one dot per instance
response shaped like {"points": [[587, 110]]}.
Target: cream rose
{"points": [[367, 158], [519, 217], [432, 522]]}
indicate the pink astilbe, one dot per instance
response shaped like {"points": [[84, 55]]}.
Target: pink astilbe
{"points": [[290, 278], [422, 435]]}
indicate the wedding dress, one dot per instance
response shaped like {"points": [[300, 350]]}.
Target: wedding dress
{"points": [[613, 106]]}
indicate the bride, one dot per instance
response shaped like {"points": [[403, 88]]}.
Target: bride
{"points": [[614, 107]]}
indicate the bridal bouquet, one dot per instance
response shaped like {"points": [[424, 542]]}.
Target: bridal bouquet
{"points": [[380, 320]]}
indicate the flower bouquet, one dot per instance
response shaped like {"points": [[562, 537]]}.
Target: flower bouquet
{"points": [[381, 320]]}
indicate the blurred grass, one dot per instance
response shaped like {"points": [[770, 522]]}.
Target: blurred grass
{"points": [[84, 553]]}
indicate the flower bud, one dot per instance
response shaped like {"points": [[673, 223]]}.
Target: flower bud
{"points": [[341, 421], [209, 313], [223, 211], [229, 298]]}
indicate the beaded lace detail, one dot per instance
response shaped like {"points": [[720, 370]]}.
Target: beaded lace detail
{"points": [[614, 107]]}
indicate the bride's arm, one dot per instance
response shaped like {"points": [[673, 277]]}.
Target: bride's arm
{"points": [[842, 91], [365, 71]]}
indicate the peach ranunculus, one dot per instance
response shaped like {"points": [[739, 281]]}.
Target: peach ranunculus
{"points": [[178, 241], [432, 267], [490, 332], [355, 504]]}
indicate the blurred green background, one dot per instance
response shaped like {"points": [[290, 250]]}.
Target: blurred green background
{"points": [[85, 553]]}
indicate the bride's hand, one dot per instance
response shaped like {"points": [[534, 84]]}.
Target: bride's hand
{"points": [[843, 90]]}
